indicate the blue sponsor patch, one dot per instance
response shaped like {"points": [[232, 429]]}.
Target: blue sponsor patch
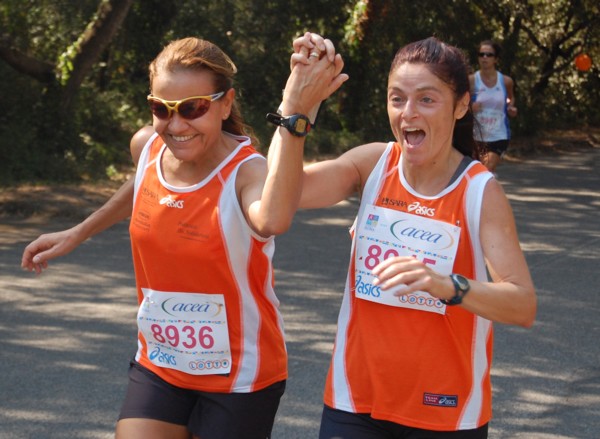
{"points": [[440, 400]]}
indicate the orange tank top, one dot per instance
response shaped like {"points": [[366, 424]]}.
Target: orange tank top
{"points": [[417, 363], [209, 317]]}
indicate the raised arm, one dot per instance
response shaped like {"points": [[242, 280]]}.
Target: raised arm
{"points": [[271, 212], [329, 182]]}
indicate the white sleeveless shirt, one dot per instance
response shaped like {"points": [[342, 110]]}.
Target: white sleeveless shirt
{"points": [[493, 120]]}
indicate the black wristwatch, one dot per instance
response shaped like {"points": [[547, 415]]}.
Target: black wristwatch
{"points": [[461, 288], [297, 124]]}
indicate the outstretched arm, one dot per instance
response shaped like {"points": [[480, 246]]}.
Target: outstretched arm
{"points": [[52, 245]]}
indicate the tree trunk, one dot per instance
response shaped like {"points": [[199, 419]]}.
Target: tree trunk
{"points": [[93, 41], [40, 70]]}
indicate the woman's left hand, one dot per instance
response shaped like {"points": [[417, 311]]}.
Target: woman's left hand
{"points": [[311, 45], [314, 80]]}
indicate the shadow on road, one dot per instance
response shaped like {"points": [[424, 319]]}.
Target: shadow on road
{"points": [[67, 336]]}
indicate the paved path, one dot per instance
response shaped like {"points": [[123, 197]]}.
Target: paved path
{"points": [[66, 337]]}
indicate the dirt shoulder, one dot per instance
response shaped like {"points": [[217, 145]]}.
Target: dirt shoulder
{"points": [[77, 201], [553, 142], [44, 202]]}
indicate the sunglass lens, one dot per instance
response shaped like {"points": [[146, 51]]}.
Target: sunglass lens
{"points": [[194, 108], [159, 109]]}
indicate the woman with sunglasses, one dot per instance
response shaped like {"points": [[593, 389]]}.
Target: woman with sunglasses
{"points": [[413, 349], [211, 359], [493, 99]]}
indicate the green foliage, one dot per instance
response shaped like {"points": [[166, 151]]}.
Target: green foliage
{"points": [[17, 154], [39, 140], [25, 153]]}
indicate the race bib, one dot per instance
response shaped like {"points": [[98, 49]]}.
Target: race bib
{"points": [[490, 120], [186, 331], [384, 233]]}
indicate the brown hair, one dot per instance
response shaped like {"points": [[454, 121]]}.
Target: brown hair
{"points": [[201, 55], [493, 45], [450, 65]]}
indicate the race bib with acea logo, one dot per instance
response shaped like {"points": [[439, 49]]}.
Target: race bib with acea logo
{"points": [[186, 331], [384, 233]]}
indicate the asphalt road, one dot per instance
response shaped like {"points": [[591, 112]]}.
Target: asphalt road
{"points": [[66, 336]]}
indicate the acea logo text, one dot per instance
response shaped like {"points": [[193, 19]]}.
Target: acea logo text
{"points": [[177, 308], [418, 233]]}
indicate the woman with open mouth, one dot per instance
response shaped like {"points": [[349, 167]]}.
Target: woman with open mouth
{"points": [[413, 349]]}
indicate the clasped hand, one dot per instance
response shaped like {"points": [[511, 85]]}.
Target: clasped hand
{"points": [[315, 73]]}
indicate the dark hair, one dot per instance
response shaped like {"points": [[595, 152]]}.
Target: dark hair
{"points": [[494, 45], [450, 65], [196, 54]]}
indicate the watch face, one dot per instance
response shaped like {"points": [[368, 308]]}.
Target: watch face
{"points": [[300, 126], [463, 283]]}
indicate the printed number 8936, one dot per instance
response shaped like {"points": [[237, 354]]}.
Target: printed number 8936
{"points": [[173, 336]]}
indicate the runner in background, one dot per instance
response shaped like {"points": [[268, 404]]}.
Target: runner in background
{"points": [[493, 99]]}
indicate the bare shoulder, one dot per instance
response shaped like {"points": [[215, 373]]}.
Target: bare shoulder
{"points": [[138, 140], [252, 171], [255, 164], [472, 80], [496, 207], [365, 157], [508, 81], [369, 151]]}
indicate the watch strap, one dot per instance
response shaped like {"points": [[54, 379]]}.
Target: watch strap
{"points": [[461, 288], [297, 124], [274, 118], [313, 114]]}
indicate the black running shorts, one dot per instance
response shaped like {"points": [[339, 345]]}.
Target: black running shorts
{"points": [[206, 414]]}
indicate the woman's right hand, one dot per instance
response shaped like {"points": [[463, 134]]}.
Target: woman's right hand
{"points": [[49, 246]]}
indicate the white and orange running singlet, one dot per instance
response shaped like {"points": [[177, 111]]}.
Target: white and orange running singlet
{"points": [[209, 319], [412, 360]]}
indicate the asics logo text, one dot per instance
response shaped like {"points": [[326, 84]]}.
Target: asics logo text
{"points": [[170, 202], [421, 210]]}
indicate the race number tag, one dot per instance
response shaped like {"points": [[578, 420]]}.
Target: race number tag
{"points": [[489, 120], [186, 331], [384, 233]]}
